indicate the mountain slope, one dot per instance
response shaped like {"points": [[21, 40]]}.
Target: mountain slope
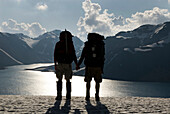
{"points": [[31, 50], [140, 55], [7, 60], [17, 48], [45, 47]]}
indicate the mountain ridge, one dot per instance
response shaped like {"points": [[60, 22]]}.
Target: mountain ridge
{"points": [[29, 50], [138, 55]]}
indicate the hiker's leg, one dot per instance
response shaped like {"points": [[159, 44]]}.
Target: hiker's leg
{"points": [[59, 90], [68, 88], [68, 76], [87, 79], [88, 90], [98, 79], [97, 91], [59, 75]]}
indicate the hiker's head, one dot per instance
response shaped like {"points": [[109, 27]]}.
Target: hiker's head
{"points": [[95, 37], [65, 34]]}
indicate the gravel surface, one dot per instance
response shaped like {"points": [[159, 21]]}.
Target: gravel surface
{"points": [[77, 105]]}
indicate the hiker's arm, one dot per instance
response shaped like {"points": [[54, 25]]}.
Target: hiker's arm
{"points": [[75, 59], [55, 60]]}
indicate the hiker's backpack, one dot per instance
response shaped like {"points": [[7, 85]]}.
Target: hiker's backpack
{"points": [[95, 50], [64, 50]]}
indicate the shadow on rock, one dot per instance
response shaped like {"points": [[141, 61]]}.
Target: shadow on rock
{"points": [[99, 108], [57, 109], [90, 108]]}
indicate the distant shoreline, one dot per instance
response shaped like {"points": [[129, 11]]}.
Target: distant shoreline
{"points": [[50, 68], [81, 73], [2, 68]]}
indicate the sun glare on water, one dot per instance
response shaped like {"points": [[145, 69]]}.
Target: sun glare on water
{"points": [[31, 82], [48, 86]]}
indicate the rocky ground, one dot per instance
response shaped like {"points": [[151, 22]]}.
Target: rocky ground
{"points": [[48, 104]]}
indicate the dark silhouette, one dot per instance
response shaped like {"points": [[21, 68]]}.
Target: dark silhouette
{"points": [[56, 109], [99, 108], [64, 55], [91, 109], [93, 56]]}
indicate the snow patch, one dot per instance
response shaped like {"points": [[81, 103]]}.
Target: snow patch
{"points": [[53, 36], [30, 42], [158, 29], [128, 50], [11, 57], [142, 50], [159, 44], [123, 37]]}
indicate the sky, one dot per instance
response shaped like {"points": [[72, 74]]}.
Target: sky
{"points": [[106, 17]]}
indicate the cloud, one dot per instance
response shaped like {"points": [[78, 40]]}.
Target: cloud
{"points": [[35, 29], [169, 1], [95, 20], [41, 6], [32, 30], [154, 16]]}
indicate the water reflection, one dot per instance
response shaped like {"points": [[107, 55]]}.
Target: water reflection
{"points": [[17, 81]]}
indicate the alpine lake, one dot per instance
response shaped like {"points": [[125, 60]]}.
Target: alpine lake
{"points": [[15, 80]]}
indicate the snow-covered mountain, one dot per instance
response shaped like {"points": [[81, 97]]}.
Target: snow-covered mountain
{"points": [[19, 48], [45, 46], [14, 47], [138, 55], [141, 54]]}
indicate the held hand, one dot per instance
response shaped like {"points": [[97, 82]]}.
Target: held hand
{"points": [[55, 67], [77, 67]]}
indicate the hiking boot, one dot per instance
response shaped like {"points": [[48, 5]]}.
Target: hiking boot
{"points": [[68, 96], [97, 97], [87, 98], [87, 95], [59, 97]]}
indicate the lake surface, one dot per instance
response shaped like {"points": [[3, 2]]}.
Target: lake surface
{"points": [[15, 80]]}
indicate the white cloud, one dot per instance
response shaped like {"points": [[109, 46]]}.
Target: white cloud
{"points": [[41, 6], [108, 24], [169, 1], [32, 30], [154, 16], [93, 20], [35, 29]]}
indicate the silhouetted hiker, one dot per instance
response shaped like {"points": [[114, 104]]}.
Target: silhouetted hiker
{"points": [[93, 53], [64, 55]]}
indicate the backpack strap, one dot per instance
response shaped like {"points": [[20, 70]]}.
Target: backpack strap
{"points": [[66, 43]]}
